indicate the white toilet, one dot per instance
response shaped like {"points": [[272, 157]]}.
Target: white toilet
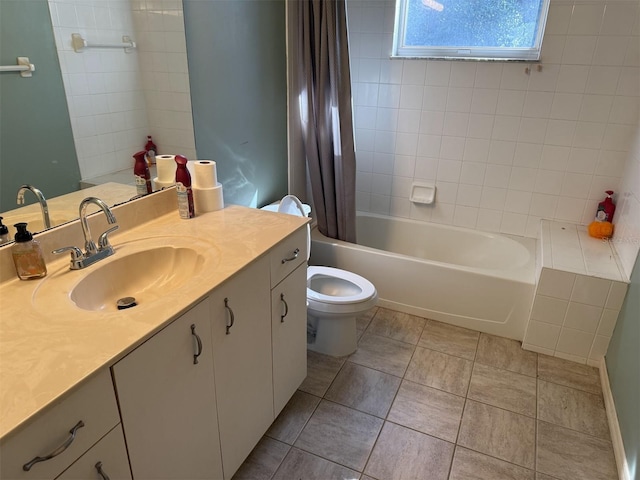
{"points": [[335, 298]]}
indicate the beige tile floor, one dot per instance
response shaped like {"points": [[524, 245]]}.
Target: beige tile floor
{"points": [[422, 399]]}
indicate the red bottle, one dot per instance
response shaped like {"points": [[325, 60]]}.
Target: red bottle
{"points": [[183, 187], [141, 172], [606, 209], [151, 151]]}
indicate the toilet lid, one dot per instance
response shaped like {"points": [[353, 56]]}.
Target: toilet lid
{"points": [[293, 206], [363, 291]]}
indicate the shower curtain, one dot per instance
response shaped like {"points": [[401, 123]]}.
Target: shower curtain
{"points": [[326, 116]]}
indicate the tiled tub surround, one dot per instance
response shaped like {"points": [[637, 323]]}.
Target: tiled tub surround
{"points": [[579, 294], [504, 148], [423, 399], [115, 98]]}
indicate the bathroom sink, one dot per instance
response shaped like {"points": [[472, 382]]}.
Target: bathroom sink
{"points": [[148, 273], [146, 276]]}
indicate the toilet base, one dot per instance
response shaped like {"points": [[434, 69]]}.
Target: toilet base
{"points": [[334, 335]]}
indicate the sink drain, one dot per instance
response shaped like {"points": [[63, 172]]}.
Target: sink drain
{"points": [[126, 302]]}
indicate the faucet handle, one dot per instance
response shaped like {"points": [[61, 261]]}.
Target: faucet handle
{"points": [[103, 241], [76, 255], [75, 252]]}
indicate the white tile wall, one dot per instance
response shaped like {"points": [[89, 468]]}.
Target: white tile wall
{"points": [[574, 312], [103, 86], [545, 144], [626, 238], [108, 91], [159, 26]]}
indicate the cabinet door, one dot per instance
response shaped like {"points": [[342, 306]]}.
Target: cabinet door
{"points": [[90, 411], [240, 313], [168, 404], [289, 335], [106, 459]]}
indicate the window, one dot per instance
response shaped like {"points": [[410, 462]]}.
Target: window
{"points": [[472, 29]]}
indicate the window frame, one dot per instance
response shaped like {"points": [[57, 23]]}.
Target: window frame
{"points": [[530, 54]]}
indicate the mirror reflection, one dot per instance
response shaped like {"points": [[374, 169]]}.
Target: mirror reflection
{"points": [[83, 114], [77, 121]]}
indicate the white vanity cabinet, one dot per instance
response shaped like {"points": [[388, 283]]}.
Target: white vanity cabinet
{"points": [[167, 398], [288, 317], [107, 459], [289, 336], [241, 330], [63, 432]]}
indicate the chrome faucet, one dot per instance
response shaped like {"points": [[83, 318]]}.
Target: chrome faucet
{"points": [[93, 252], [41, 200]]}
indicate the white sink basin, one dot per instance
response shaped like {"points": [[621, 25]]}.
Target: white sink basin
{"points": [[146, 276], [148, 271]]}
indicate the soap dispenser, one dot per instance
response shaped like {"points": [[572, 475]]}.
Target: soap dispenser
{"points": [[4, 233], [27, 254]]}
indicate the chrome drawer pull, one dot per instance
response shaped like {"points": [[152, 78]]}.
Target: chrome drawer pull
{"points": [[101, 472], [231, 316], [296, 252], [286, 308], [197, 337], [27, 466]]}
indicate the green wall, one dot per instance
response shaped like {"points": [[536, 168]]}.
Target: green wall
{"points": [[623, 367], [36, 142], [237, 72]]}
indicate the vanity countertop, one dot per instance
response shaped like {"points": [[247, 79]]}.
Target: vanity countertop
{"points": [[46, 352]]}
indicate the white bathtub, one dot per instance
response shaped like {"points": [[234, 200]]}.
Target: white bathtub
{"points": [[478, 280]]}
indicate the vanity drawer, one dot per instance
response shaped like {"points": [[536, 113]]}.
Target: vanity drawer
{"points": [[109, 454], [93, 403], [288, 255]]}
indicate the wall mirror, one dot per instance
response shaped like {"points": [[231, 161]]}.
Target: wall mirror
{"points": [[50, 121], [82, 115]]}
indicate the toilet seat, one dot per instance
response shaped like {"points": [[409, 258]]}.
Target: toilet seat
{"points": [[364, 290]]}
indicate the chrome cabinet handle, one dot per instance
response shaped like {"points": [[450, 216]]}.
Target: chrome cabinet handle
{"points": [[231, 316], [197, 337], [101, 472], [286, 308], [27, 466], [296, 252]]}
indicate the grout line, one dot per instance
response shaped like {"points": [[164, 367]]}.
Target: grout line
{"points": [[535, 426], [289, 447], [577, 431]]}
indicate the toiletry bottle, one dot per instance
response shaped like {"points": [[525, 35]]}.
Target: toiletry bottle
{"points": [[602, 226], [4, 233], [183, 187], [151, 151], [142, 174], [27, 254], [606, 209]]}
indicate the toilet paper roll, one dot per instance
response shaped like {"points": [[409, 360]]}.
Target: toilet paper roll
{"points": [[158, 185], [208, 199], [166, 166], [205, 174]]}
